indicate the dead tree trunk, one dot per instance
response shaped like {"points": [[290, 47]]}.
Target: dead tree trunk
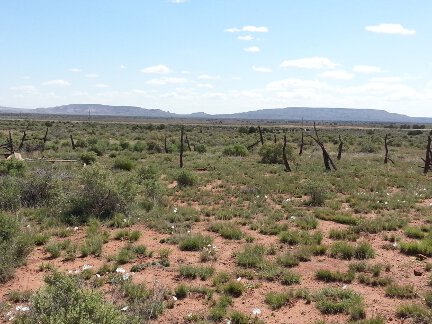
{"points": [[339, 156], [165, 145], [285, 159], [181, 146], [275, 139], [23, 139], [11, 145], [428, 160], [72, 142], [250, 147], [328, 162], [386, 157], [261, 135], [44, 140], [301, 143], [188, 144]]}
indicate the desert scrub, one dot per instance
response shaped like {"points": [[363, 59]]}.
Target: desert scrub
{"points": [[235, 150], [271, 153], [288, 260], [317, 193], [337, 300], [15, 244], [63, 300], [423, 247], [193, 272], [234, 289], [343, 235], [123, 163], [228, 231], [251, 256], [400, 291], [334, 276], [347, 251], [194, 242], [186, 178], [295, 237], [418, 313], [88, 157]]}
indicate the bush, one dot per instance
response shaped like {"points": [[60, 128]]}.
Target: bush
{"points": [[200, 148], [235, 150], [63, 300], [186, 179], [123, 163], [251, 256], [88, 157], [272, 153], [337, 300], [12, 167], [234, 289], [194, 242], [15, 245], [227, 230], [400, 291]]}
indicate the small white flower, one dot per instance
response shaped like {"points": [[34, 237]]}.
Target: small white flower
{"points": [[76, 228], [344, 287], [98, 275], [386, 203], [292, 217], [395, 244], [22, 308], [228, 322], [124, 309], [188, 231], [174, 298], [124, 220], [257, 196], [265, 196], [256, 311], [175, 210], [172, 226], [28, 226], [120, 270], [86, 266], [239, 278]]}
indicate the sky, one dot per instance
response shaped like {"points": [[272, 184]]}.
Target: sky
{"points": [[218, 56]]}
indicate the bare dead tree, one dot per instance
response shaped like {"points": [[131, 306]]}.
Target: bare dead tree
{"points": [[250, 147], [23, 139], [428, 160], [181, 146], [340, 147], [44, 140], [386, 157], [261, 135], [72, 142], [275, 139], [301, 143], [328, 162], [8, 145], [188, 144], [284, 156], [165, 145]]}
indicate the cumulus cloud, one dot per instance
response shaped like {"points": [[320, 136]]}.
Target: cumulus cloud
{"points": [[395, 29], [252, 49], [208, 77], [75, 70], [387, 80], [367, 69], [293, 83], [261, 69], [337, 75], [58, 83], [250, 29], [92, 75], [156, 69], [245, 38], [122, 67], [315, 62], [165, 81], [101, 85]]}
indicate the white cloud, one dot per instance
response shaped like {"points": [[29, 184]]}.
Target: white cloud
{"points": [[208, 77], [92, 75], [387, 80], [337, 74], [101, 85], [250, 29], [367, 69], [252, 49], [292, 83], [164, 81], [58, 83], [24, 88], [315, 62], [395, 29], [204, 85], [178, 1], [75, 70], [245, 38], [261, 69], [122, 67], [156, 69]]}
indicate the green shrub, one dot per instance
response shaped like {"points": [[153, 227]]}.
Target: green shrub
{"points": [[88, 157], [227, 230], [338, 300], [123, 163], [418, 313], [400, 291], [192, 272], [234, 289], [63, 300], [271, 153], [200, 148], [334, 276], [12, 167], [251, 256], [289, 278], [194, 242], [181, 291], [186, 179], [235, 150]]}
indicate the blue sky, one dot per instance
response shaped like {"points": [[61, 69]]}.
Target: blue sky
{"points": [[218, 56]]}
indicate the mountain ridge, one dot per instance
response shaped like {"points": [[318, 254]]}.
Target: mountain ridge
{"points": [[282, 114]]}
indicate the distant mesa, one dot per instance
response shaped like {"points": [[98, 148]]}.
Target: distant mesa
{"points": [[280, 114]]}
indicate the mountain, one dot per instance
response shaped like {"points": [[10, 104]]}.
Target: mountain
{"points": [[103, 110], [328, 114], [280, 114]]}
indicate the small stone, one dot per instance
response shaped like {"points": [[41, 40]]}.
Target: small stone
{"points": [[418, 272]]}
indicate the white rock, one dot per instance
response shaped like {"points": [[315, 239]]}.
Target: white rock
{"points": [[256, 311]]}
